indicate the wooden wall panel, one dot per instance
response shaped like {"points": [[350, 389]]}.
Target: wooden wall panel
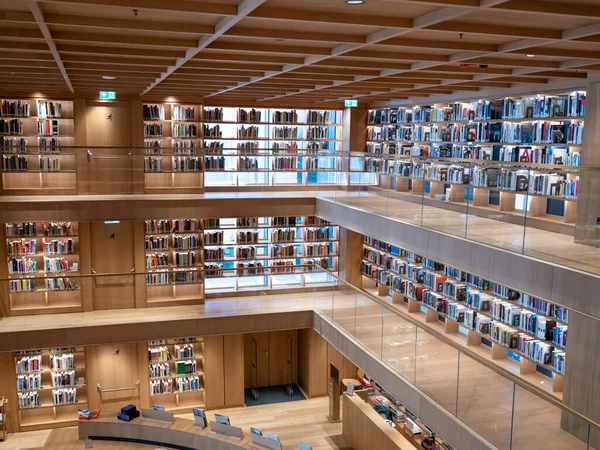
{"points": [[144, 374], [139, 262], [319, 376], [233, 356], [256, 360], [8, 389], [85, 265], [4, 289], [283, 357], [304, 361], [117, 367], [214, 372], [112, 252], [344, 365], [109, 125], [351, 256]]}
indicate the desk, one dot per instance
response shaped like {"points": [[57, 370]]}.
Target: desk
{"points": [[180, 433]]}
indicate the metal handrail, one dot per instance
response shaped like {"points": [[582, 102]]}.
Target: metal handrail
{"points": [[90, 156], [137, 386]]}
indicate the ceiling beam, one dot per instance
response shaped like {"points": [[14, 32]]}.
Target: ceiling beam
{"points": [[133, 24], [219, 9], [39, 18], [373, 38], [422, 22], [242, 10]]}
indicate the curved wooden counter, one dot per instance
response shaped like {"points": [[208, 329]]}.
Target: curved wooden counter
{"points": [[180, 434]]}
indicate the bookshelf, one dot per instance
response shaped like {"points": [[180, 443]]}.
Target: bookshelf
{"points": [[262, 253], [36, 136], [51, 387], [511, 154], [272, 147], [515, 326], [38, 254], [176, 369], [174, 255], [173, 146]]}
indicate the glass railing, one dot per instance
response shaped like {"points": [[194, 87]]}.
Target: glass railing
{"points": [[501, 407], [526, 208]]}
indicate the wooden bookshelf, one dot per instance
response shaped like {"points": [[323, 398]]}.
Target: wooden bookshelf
{"points": [[540, 135], [246, 254], [272, 147], [35, 140], [173, 275], [41, 383], [402, 275], [179, 383], [173, 141], [40, 257]]}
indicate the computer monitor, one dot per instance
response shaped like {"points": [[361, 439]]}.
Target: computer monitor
{"points": [[303, 446], [255, 431], [273, 437], [222, 419]]}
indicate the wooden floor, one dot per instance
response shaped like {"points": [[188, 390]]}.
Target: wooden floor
{"points": [[293, 421], [545, 245], [477, 395]]}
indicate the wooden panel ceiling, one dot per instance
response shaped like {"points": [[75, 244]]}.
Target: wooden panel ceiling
{"points": [[305, 52]]}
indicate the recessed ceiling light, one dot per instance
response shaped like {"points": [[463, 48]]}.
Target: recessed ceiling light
{"points": [[531, 56], [355, 2], [108, 77]]}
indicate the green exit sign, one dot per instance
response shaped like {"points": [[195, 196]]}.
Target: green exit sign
{"points": [[108, 95], [351, 103]]}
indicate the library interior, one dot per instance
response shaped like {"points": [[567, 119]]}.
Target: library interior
{"points": [[327, 225]]}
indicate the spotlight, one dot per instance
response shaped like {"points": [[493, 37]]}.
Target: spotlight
{"points": [[355, 2], [108, 77]]}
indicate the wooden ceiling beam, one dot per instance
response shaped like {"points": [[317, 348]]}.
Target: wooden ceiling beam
{"points": [[195, 65], [529, 62], [470, 69], [292, 35], [120, 40], [300, 15], [200, 72], [497, 30], [120, 24], [34, 47], [420, 22], [14, 64], [271, 48], [209, 55], [552, 7], [16, 17], [241, 11], [439, 43], [560, 52], [105, 70], [121, 51], [112, 61], [371, 54], [374, 65], [219, 9], [313, 70], [35, 10]]}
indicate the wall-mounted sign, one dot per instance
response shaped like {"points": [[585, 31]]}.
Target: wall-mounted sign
{"points": [[350, 103], [108, 95]]}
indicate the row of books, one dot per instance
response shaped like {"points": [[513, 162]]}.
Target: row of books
{"points": [[172, 225], [48, 127], [541, 107], [159, 370], [164, 278], [184, 351], [55, 265], [158, 354], [29, 364], [62, 362], [154, 112], [63, 379], [64, 396], [15, 108], [180, 147], [183, 130], [48, 229], [11, 126], [29, 382]]}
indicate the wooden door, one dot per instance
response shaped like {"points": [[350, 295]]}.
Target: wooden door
{"points": [[283, 357], [112, 252], [116, 367], [110, 171], [256, 360]]}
